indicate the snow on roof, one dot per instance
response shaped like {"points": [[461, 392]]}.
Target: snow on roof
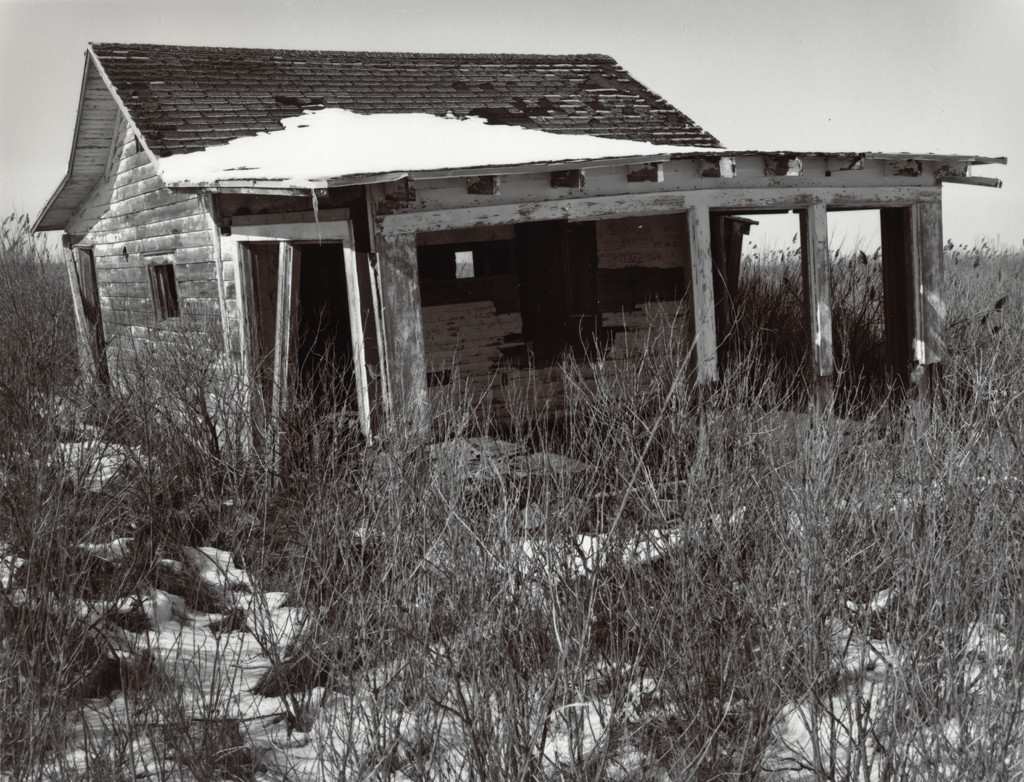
{"points": [[333, 143]]}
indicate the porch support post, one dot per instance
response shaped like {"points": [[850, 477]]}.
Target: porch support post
{"points": [[898, 238], [700, 276], [915, 310], [405, 352], [817, 301], [929, 274]]}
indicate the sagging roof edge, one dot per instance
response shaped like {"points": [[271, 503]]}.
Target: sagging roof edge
{"points": [[244, 185], [248, 185]]}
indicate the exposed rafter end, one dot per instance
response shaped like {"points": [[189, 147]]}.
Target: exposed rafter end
{"points": [[652, 172], [783, 165], [717, 167], [573, 178], [483, 185], [983, 181], [857, 164], [951, 169]]}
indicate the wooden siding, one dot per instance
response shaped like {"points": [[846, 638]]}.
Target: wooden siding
{"points": [[640, 278], [131, 221], [473, 328]]}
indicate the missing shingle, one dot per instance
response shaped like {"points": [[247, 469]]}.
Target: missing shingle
{"points": [[300, 102]]}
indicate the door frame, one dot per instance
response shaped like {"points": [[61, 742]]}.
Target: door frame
{"points": [[92, 354], [290, 236]]}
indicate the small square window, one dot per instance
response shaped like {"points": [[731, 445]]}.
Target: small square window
{"points": [[165, 291]]}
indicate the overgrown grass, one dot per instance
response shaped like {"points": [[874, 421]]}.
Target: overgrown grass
{"points": [[471, 610]]}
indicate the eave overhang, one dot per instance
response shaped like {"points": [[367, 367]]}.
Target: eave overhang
{"points": [[95, 122], [734, 165]]}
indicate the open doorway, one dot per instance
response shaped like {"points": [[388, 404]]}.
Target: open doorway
{"points": [[300, 332], [323, 333]]}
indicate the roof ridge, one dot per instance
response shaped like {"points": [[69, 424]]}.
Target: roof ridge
{"points": [[379, 54]]}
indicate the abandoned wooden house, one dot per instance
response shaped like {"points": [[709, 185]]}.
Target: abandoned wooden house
{"points": [[427, 219]]}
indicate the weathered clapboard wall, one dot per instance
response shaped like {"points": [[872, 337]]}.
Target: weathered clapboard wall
{"points": [[132, 221], [640, 279], [473, 328]]}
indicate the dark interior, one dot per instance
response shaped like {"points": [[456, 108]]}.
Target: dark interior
{"points": [[323, 346]]}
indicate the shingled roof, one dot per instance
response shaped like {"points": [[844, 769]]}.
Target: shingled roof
{"points": [[186, 98]]}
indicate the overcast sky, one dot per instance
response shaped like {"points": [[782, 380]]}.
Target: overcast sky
{"points": [[878, 75]]}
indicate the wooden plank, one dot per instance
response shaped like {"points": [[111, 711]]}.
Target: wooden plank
{"points": [[528, 168], [109, 257], [245, 303], [603, 207], [502, 291], [369, 287], [636, 242], [169, 242], [932, 302], [322, 216], [293, 232], [122, 274], [131, 230], [86, 360], [200, 289], [981, 181], [403, 334], [701, 296], [495, 233], [157, 199], [289, 262], [152, 209], [199, 271], [630, 287], [679, 176], [719, 261], [206, 203], [355, 316], [136, 289], [149, 184], [817, 300], [128, 176]]}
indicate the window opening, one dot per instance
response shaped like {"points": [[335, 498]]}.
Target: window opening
{"points": [[165, 291]]}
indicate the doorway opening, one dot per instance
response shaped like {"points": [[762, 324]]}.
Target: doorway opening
{"points": [[323, 331]]}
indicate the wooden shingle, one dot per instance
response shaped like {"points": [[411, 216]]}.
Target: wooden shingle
{"points": [[185, 98]]}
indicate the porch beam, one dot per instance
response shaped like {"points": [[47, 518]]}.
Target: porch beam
{"points": [[600, 207]]}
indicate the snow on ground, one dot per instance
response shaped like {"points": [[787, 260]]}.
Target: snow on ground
{"points": [[216, 661], [335, 143], [92, 463]]}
